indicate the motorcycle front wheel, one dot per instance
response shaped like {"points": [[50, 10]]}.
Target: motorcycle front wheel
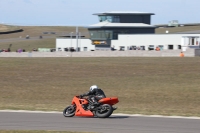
{"points": [[69, 111], [104, 111]]}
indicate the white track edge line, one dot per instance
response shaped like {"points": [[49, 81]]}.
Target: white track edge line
{"points": [[116, 114]]}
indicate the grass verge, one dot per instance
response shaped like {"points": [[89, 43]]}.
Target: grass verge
{"points": [[27, 131], [29, 45], [164, 86]]}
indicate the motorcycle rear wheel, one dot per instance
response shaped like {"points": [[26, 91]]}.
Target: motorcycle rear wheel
{"points": [[69, 111], [104, 111]]}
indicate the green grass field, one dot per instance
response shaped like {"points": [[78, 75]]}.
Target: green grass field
{"points": [[165, 86]]}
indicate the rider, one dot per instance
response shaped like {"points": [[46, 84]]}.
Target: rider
{"points": [[95, 94]]}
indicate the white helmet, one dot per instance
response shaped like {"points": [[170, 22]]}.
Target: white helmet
{"points": [[93, 87]]}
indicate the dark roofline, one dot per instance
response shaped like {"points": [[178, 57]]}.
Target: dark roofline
{"points": [[71, 36], [117, 27], [99, 14]]}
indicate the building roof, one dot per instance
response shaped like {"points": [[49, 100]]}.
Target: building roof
{"points": [[123, 13], [108, 24], [180, 24]]}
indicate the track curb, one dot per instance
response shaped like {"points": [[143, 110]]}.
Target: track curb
{"points": [[116, 114]]}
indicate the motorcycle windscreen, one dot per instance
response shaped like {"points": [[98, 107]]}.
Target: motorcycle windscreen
{"points": [[109, 100]]}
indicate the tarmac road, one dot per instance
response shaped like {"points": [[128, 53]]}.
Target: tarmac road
{"points": [[114, 124]]}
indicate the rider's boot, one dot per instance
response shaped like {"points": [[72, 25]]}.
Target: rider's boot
{"points": [[114, 108]]}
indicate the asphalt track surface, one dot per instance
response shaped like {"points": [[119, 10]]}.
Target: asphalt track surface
{"points": [[114, 124]]}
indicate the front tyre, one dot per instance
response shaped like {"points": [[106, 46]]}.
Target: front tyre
{"points": [[69, 111], [104, 111]]}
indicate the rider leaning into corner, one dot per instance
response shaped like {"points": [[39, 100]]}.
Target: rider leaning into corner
{"points": [[95, 94]]}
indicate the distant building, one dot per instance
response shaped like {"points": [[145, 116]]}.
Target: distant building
{"points": [[173, 23], [111, 24], [129, 30]]}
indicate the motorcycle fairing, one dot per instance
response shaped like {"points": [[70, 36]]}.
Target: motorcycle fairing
{"points": [[79, 109], [109, 100]]}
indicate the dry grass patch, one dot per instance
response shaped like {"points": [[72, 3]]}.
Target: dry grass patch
{"points": [[48, 41], [28, 45], [34, 131], [176, 29], [4, 28], [36, 31], [167, 86]]}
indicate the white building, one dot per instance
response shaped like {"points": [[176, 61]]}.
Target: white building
{"points": [[82, 44], [146, 41], [121, 30], [164, 41]]}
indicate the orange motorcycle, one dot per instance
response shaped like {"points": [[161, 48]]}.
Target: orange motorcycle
{"points": [[83, 107]]}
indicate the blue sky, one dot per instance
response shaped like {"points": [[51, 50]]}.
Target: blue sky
{"points": [[79, 12]]}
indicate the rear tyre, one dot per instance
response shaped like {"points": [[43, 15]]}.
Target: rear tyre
{"points": [[104, 111], [69, 111]]}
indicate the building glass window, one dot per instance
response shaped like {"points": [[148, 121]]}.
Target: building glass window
{"points": [[170, 47], [151, 47], [179, 46], [85, 49], [101, 34], [115, 35], [109, 34], [116, 19], [111, 19], [102, 18], [161, 47]]}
